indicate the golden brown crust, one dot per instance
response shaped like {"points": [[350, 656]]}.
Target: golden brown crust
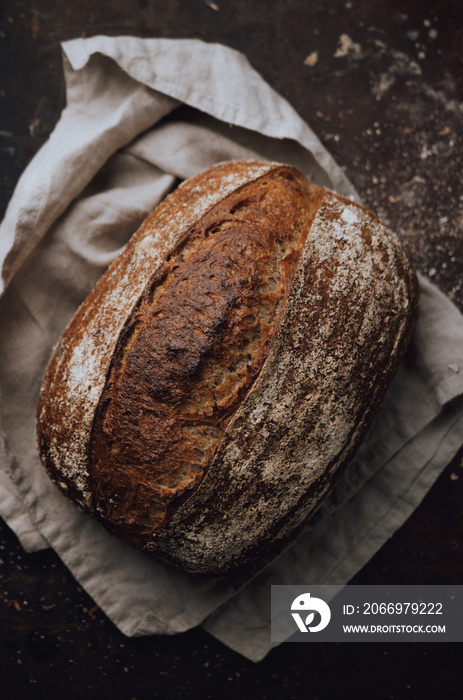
{"points": [[191, 350]]}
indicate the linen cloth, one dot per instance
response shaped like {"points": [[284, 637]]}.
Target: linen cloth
{"points": [[141, 115]]}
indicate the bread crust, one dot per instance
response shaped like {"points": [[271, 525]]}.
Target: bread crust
{"points": [[349, 302], [191, 349]]}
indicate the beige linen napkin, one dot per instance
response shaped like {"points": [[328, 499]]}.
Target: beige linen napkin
{"points": [[141, 115]]}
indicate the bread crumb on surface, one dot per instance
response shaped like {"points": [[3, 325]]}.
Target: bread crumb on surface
{"points": [[347, 46], [311, 59]]}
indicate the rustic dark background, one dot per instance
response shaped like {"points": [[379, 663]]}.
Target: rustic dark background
{"points": [[380, 82]]}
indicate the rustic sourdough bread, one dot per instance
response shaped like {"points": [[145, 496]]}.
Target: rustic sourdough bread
{"points": [[219, 378]]}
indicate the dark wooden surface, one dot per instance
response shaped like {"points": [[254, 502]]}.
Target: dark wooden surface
{"points": [[386, 100]]}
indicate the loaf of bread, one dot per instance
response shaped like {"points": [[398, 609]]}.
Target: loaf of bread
{"points": [[221, 375]]}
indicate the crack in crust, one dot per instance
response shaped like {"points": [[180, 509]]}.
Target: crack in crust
{"points": [[192, 349]]}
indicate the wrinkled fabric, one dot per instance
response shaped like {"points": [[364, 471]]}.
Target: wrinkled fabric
{"points": [[141, 115]]}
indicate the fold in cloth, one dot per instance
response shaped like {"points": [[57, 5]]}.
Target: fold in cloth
{"points": [[141, 115]]}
